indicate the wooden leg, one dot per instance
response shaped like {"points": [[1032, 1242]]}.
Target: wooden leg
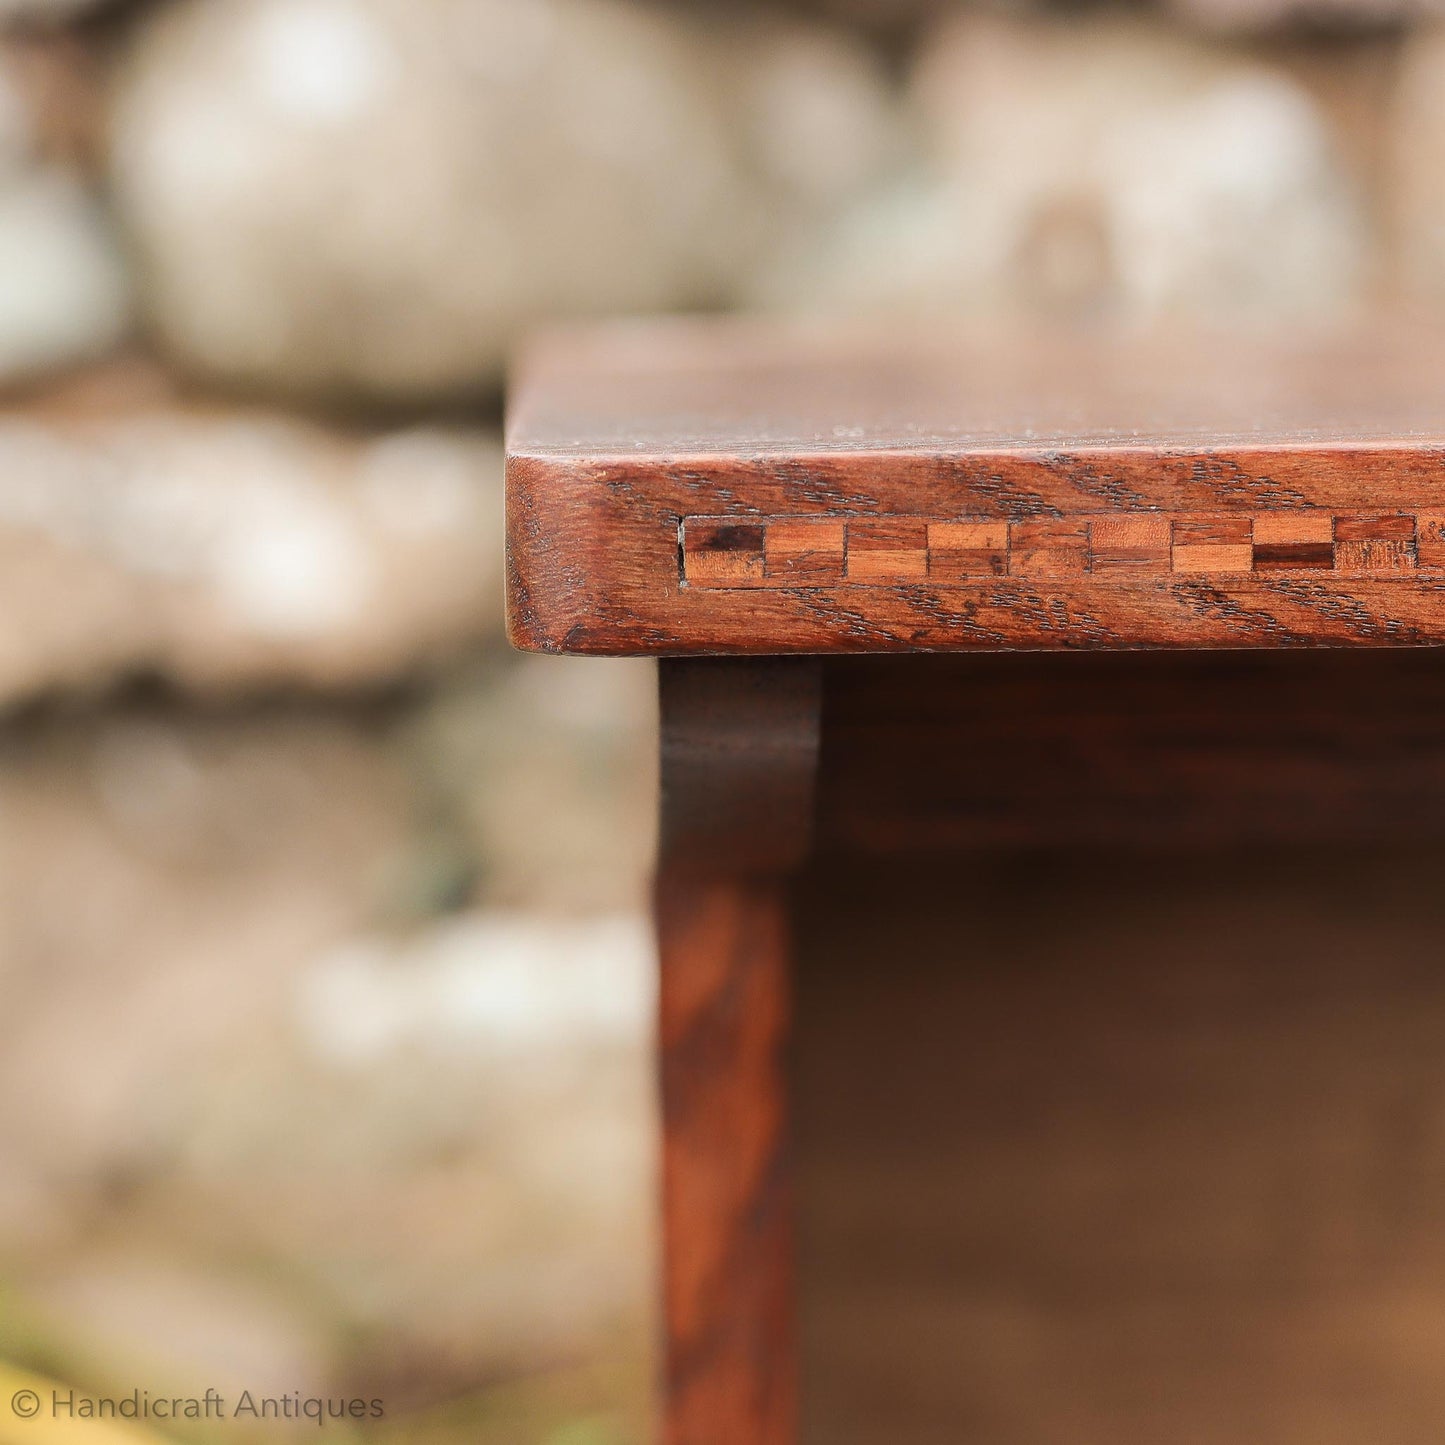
{"points": [[739, 747], [726, 1210]]}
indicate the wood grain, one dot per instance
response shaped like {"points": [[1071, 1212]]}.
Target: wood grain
{"points": [[721, 487], [739, 745], [1122, 1152], [739, 758], [724, 949], [982, 754]]}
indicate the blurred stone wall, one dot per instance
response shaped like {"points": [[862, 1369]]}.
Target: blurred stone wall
{"points": [[321, 932]]}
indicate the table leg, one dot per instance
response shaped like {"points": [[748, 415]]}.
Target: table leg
{"points": [[739, 748]]}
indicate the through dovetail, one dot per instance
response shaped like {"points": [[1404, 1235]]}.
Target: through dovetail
{"points": [[832, 551]]}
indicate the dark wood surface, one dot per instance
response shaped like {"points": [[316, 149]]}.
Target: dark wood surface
{"points": [[739, 757], [1164, 750], [1009, 1116], [727, 1224], [1116, 1127], [1110, 1151], [739, 744], [723, 486]]}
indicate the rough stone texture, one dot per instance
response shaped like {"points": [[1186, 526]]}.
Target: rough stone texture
{"points": [[327, 1142], [1417, 174], [1099, 167], [377, 196], [233, 548]]}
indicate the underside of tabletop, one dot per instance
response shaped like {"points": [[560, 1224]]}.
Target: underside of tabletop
{"points": [[723, 486]]}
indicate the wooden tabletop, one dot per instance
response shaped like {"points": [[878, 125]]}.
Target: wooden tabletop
{"points": [[739, 487]]}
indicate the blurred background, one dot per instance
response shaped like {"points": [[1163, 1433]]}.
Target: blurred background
{"points": [[325, 976]]}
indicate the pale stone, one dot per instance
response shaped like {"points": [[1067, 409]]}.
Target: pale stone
{"points": [[497, 1071], [65, 294], [543, 769], [521, 989], [1101, 167], [234, 548], [380, 196], [377, 196], [162, 879], [436, 1139]]}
